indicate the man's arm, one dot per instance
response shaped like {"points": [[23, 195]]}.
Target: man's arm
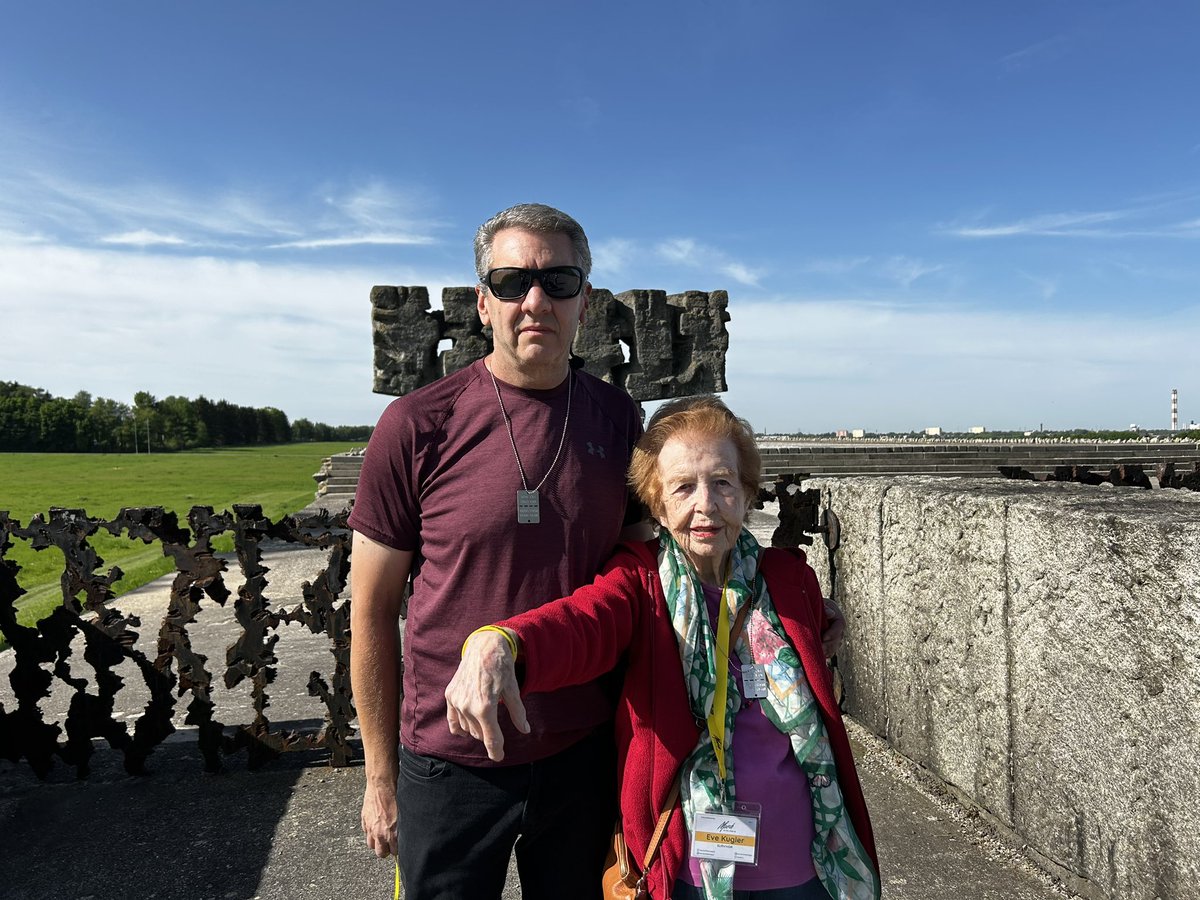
{"points": [[835, 628], [639, 531], [637, 526], [378, 574]]}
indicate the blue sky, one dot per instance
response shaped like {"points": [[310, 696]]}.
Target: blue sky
{"points": [[946, 214]]}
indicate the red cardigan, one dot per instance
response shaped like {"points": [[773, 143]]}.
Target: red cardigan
{"points": [[578, 638]]}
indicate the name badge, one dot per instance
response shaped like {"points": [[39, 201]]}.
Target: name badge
{"points": [[754, 682], [729, 836]]}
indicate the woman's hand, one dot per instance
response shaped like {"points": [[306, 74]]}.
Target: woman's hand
{"points": [[486, 677]]}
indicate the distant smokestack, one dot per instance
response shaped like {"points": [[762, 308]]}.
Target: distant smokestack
{"points": [[1174, 409]]}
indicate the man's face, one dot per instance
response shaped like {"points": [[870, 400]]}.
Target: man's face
{"points": [[531, 337]]}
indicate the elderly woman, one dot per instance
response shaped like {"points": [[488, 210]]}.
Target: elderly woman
{"points": [[726, 694]]}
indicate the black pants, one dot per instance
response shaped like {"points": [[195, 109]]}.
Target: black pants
{"points": [[459, 824]]}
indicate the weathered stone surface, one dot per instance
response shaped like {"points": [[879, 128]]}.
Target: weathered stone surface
{"points": [[945, 643], [651, 344], [606, 338], [859, 591], [1035, 645], [470, 338], [1106, 687], [680, 342], [406, 335]]}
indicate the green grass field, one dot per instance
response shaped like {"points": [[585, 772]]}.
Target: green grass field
{"points": [[278, 478]]}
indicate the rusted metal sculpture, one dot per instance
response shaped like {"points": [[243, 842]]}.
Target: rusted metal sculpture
{"points": [[42, 653], [1120, 475]]}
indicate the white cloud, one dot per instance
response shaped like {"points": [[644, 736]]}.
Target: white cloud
{"points": [[375, 207], [618, 256], [1043, 51], [1143, 220], [1055, 224], [113, 323], [1047, 287], [147, 214], [612, 257], [355, 240], [905, 270], [843, 265], [741, 274], [81, 211], [679, 250], [143, 238], [692, 254], [819, 365], [298, 337]]}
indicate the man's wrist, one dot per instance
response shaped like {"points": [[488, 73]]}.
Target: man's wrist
{"points": [[385, 776]]}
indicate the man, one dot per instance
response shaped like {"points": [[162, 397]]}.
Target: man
{"points": [[498, 487]]}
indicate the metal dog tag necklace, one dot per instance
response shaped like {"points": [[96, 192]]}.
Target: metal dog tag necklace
{"points": [[529, 510]]}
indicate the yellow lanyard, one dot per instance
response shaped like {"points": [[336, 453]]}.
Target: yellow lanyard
{"points": [[716, 718]]}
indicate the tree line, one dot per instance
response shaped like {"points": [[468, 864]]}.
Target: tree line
{"points": [[33, 420]]}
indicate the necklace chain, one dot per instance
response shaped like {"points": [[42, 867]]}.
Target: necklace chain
{"points": [[508, 426]]}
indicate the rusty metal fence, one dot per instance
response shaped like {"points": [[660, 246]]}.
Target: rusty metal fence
{"points": [[47, 655], [43, 654]]}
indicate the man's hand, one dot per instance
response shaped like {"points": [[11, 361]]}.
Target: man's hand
{"points": [[379, 817], [486, 677], [835, 628], [378, 574]]}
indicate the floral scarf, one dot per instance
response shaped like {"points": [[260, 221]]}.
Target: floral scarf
{"points": [[841, 862]]}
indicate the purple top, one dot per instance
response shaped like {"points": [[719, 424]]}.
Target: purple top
{"points": [[765, 772], [440, 478]]}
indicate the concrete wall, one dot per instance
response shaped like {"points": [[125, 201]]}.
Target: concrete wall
{"points": [[1035, 647]]}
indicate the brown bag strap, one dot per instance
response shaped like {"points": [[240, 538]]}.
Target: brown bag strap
{"points": [[661, 828]]}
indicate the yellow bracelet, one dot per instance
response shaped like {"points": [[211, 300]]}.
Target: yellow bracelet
{"points": [[512, 643]]}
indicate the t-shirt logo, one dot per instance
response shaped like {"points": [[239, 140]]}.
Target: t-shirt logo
{"points": [[595, 450]]}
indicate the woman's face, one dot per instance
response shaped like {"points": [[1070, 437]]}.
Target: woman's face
{"points": [[703, 502]]}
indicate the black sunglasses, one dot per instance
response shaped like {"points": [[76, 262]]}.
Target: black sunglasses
{"points": [[513, 283]]}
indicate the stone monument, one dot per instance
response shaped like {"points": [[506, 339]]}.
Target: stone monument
{"points": [[652, 344]]}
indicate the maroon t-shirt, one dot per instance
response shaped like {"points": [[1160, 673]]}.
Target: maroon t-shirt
{"points": [[440, 478]]}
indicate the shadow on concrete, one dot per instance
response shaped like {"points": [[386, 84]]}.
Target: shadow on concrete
{"points": [[288, 829]]}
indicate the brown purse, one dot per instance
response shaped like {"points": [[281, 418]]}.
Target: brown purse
{"points": [[621, 880]]}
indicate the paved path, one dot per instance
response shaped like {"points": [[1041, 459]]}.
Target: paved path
{"points": [[289, 831]]}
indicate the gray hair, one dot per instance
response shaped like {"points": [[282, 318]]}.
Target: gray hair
{"points": [[535, 217]]}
